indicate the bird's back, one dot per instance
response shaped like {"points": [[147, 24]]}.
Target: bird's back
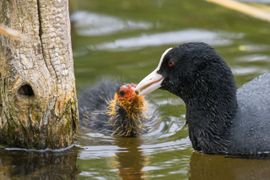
{"points": [[250, 133], [93, 104]]}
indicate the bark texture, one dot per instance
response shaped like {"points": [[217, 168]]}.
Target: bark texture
{"points": [[38, 102]]}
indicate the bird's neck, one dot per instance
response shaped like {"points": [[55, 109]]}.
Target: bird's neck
{"points": [[126, 124], [209, 117], [127, 120]]}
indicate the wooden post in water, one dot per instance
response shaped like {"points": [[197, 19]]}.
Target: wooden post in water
{"points": [[38, 105]]}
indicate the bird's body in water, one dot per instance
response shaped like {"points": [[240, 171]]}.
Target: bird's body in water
{"points": [[221, 119], [112, 108]]}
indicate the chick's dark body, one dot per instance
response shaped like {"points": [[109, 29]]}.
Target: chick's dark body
{"points": [[107, 109], [93, 104]]}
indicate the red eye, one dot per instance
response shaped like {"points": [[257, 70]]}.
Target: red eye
{"points": [[171, 63]]}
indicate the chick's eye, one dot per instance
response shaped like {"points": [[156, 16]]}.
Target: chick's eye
{"points": [[171, 63], [122, 93]]}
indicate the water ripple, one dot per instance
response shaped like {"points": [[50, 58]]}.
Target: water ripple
{"points": [[248, 70], [93, 24], [254, 58], [169, 38]]}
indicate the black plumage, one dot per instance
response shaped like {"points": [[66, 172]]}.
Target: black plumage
{"points": [[93, 104], [221, 119]]}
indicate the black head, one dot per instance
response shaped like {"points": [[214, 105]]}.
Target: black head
{"points": [[189, 70], [197, 74]]}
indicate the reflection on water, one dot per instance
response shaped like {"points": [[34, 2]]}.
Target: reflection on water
{"points": [[130, 162], [130, 158], [170, 38], [212, 167], [248, 70], [93, 24], [253, 48], [31, 165], [256, 1], [254, 58]]}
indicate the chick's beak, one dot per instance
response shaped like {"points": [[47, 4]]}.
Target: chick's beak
{"points": [[149, 83]]}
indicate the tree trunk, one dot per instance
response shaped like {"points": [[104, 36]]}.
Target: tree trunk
{"points": [[38, 102]]}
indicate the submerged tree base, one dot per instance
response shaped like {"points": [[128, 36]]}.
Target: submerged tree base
{"points": [[38, 105]]}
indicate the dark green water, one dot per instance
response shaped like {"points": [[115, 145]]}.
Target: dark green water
{"points": [[123, 40]]}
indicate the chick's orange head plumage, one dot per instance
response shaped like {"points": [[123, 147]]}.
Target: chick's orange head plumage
{"points": [[126, 92], [129, 100]]}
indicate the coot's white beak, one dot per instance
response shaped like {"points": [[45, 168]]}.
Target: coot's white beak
{"points": [[149, 83], [152, 81]]}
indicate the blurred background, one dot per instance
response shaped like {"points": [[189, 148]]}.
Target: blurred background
{"points": [[123, 40]]}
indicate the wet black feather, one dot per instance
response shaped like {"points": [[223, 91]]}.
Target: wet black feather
{"points": [[217, 116]]}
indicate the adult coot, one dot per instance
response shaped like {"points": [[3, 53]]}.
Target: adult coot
{"points": [[112, 108], [221, 119]]}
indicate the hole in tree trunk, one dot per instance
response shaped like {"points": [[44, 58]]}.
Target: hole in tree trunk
{"points": [[26, 90]]}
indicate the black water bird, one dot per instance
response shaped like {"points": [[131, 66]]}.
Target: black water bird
{"points": [[221, 119], [113, 108]]}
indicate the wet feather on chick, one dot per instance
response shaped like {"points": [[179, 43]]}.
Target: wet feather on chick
{"points": [[115, 109]]}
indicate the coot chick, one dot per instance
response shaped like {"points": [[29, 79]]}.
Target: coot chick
{"points": [[112, 108], [221, 119]]}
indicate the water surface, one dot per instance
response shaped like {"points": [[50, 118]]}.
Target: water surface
{"points": [[124, 40]]}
